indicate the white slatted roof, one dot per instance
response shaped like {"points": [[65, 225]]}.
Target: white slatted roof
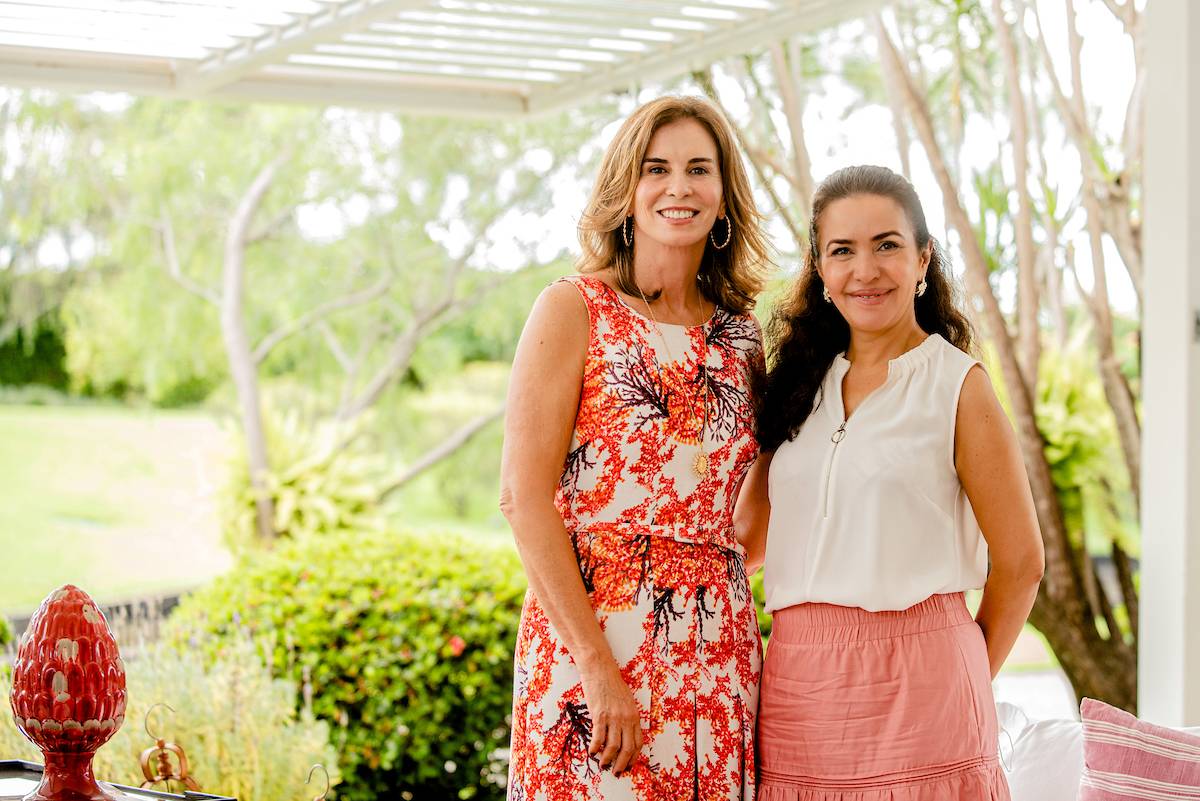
{"points": [[444, 56]]}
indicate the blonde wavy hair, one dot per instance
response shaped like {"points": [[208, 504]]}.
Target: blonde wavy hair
{"points": [[730, 277]]}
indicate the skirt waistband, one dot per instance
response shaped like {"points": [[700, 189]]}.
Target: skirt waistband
{"points": [[816, 623]]}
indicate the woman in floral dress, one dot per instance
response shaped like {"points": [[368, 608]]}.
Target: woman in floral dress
{"points": [[629, 430]]}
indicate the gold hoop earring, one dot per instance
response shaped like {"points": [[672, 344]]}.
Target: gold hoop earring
{"points": [[627, 232], [728, 234]]}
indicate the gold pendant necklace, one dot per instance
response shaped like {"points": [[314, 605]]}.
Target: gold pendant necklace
{"points": [[700, 460]]}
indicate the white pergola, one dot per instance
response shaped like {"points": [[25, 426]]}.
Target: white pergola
{"points": [[512, 57], [476, 57]]}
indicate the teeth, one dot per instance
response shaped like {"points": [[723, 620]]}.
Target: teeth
{"points": [[677, 214]]}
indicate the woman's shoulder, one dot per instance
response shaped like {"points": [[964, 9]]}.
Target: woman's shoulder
{"points": [[949, 356]]}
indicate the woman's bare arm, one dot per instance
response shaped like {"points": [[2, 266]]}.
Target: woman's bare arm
{"points": [[989, 464], [753, 511], [543, 399]]}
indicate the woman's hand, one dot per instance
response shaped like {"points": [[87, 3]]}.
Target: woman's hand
{"points": [[616, 722]]}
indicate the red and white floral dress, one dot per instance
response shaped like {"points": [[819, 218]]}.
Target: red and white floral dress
{"points": [[659, 560]]}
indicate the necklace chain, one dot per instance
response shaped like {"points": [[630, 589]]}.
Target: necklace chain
{"points": [[700, 463]]}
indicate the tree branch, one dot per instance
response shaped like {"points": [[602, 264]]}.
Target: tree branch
{"points": [[793, 108], [335, 345], [174, 269], [443, 451], [405, 345], [239, 226], [318, 314], [1128, 590], [273, 225], [1028, 330]]}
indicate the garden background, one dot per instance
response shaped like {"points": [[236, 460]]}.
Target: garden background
{"points": [[327, 299]]}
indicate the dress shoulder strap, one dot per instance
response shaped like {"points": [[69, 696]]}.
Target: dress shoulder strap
{"points": [[601, 301]]}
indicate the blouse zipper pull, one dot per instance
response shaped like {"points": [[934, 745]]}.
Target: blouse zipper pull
{"points": [[835, 438]]}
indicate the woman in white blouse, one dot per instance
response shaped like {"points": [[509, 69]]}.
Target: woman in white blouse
{"points": [[889, 475]]}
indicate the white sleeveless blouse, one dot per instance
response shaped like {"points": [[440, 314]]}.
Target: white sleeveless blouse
{"points": [[875, 516]]}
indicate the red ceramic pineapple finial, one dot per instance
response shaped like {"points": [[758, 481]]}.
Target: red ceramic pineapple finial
{"points": [[68, 693]]}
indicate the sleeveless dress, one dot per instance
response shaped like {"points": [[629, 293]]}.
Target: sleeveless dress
{"points": [[660, 563]]}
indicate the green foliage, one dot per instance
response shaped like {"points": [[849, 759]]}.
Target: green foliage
{"points": [[1082, 446], [54, 198], [238, 724], [407, 641], [6, 632], [760, 600], [1083, 450], [318, 486], [136, 334], [36, 357]]}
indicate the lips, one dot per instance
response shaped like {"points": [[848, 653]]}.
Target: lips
{"points": [[678, 213], [870, 298]]}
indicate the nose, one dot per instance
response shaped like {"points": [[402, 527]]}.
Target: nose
{"points": [[679, 185], [866, 266]]}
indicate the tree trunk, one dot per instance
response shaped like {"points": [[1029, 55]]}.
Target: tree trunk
{"points": [[1028, 334], [793, 108], [1094, 668], [240, 352], [1116, 387]]}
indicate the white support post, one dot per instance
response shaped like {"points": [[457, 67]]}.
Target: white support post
{"points": [[1169, 628]]}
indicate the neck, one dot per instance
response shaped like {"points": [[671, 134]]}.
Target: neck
{"points": [[671, 273], [874, 348]]}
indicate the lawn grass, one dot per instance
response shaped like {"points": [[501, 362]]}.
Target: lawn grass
{"points": [[119, 501]]}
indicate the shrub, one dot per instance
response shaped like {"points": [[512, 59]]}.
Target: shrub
{"points": [[6, 633], [407, 641], [238, 725], [316, 485]]}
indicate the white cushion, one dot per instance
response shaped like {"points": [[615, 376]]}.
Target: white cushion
{"points": [[1042, 759], [1045, 761]]}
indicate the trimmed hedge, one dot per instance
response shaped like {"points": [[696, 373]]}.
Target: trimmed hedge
{"points": [[406, 640]]}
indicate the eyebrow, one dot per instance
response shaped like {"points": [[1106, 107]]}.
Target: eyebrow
{"points": [[651, 160], [875, 238]]}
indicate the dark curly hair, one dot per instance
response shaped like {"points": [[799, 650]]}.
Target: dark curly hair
{"points": [[807, 333]]}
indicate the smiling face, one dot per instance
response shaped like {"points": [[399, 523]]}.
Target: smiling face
{"points": [[870, 262], [679, 194]]}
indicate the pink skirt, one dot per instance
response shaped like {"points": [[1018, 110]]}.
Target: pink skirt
{"points": [[878, 706]]}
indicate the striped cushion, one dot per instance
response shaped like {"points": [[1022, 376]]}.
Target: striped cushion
{"points": [[1126, 758]]}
